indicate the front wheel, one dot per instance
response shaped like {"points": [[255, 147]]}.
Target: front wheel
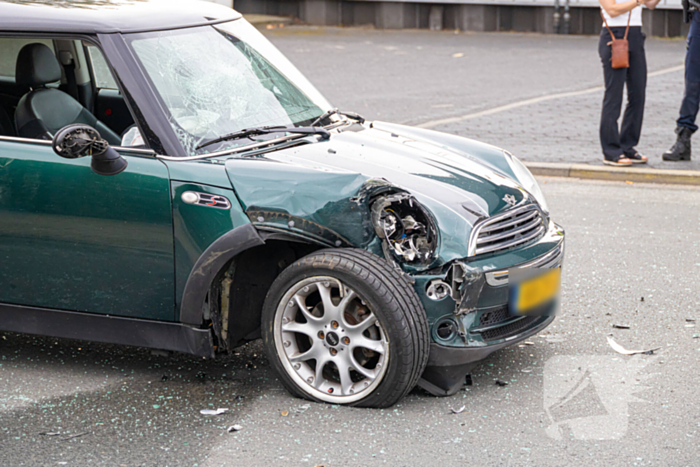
{"points": [[344, 327]]}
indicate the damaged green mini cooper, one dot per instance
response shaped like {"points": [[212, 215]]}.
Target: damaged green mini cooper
{"points": [[169, 180]]}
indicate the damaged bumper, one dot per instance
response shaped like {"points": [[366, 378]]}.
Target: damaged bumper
{"points": [[468, 310]]}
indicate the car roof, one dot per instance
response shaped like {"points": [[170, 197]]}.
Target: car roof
{"points": [[108, 16]]}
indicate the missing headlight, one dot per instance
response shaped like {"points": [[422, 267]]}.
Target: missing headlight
{"points": [[405, 226]]}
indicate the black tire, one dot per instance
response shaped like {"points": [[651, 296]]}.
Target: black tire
{"points": [[392, 300]]}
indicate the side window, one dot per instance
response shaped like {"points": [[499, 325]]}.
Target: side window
{"points": [[100, 69], [9, 50]]}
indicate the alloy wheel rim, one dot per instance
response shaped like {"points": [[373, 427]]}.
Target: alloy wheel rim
{"points": [[329, 340]]}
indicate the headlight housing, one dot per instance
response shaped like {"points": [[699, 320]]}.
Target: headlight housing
{"points": [[407, 229], [527, 180]]}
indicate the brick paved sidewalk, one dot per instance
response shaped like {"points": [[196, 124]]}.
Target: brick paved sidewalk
{"points": [[566, 129]]}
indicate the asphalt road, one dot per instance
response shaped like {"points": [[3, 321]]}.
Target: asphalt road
{"points": [[424, 77], [570, 398]]}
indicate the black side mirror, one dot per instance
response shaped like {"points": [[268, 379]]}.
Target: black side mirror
{"points": [[74, 141]]}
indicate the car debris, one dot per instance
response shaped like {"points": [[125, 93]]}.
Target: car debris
{"points": [[73, 436], [620, 326], [303, 408], [213, 412], [690, 320], [621, 350], [459, 410], [501, 383], [284, 413], [234, 428]]}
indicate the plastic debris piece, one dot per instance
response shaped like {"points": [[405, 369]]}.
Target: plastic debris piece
{"points": [[696, 335], [641, 299], [690, 320], [689, 325], [233, 428], [528, 343], [527, 370], [303, 408], [213, 412], [621, 350], [629, 182], [459, 410], [501, 383], [621, 326], [284, 413], [50, 433], [458, 55], [74, 436]]}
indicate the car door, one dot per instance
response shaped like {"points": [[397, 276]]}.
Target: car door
{"points": [[74, 240]]}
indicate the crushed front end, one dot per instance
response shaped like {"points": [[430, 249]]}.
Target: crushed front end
{"points": [[468, 302]]}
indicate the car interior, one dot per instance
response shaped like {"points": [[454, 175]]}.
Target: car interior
{"points": [[47, 84]]}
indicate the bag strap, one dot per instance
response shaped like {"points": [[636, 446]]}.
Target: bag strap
{"points": [[629, 19], [606, 25]]}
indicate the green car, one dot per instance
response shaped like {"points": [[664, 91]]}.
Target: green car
{"points": [[169, 180]]}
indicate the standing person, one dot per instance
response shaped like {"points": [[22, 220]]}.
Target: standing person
{"points": [[691, 100], [623, 17]]}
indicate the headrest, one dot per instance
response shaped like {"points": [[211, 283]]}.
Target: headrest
{"points": [[37, 65]]}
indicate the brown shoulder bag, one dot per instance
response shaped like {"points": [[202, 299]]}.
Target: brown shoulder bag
{"points": [[620, 47]]}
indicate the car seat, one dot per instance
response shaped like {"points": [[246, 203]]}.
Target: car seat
{"points": [[43, 111]]}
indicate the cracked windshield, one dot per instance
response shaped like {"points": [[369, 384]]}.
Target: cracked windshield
{"points": [[217, 80]]}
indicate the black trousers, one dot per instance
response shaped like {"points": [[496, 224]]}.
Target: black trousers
{"points": [[618, 141], [691, 99]]}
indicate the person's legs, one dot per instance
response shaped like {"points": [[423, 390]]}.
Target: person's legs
{"points": [[612, 102], [631, 129], [686, 124], [691, 99]]}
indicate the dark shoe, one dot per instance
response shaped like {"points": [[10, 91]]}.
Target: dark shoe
{"points": [[621, 161], [681, 150], [637, 158]]}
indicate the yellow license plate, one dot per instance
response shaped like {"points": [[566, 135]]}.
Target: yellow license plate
{"points": [[532, 293]]}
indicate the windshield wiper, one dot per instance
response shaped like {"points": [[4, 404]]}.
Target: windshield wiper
{"points": [[350, 115], [264, 130]]}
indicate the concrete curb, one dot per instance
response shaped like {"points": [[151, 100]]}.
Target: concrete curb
{"points": [[620, 174], [262, 21]]}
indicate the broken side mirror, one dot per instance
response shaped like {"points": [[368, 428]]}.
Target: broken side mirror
{"points": [[74, 141]]}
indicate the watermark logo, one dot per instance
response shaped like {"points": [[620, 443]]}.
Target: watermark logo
{"points": [[587, 397]]}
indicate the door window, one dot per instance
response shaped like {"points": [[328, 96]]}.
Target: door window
{"points": [[101, 73]]}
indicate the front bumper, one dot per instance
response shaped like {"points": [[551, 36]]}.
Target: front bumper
{"points": [[480, 321], [448, 366]]}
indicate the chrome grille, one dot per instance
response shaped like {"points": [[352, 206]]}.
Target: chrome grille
{"points": [[507, 230]]}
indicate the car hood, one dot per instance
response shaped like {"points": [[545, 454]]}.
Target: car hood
{"points": [[318, 188]]}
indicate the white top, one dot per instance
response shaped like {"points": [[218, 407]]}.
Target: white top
{"points": [[622, 19]]}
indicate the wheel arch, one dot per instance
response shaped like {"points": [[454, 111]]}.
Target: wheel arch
{"points": [[252, 259]]}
